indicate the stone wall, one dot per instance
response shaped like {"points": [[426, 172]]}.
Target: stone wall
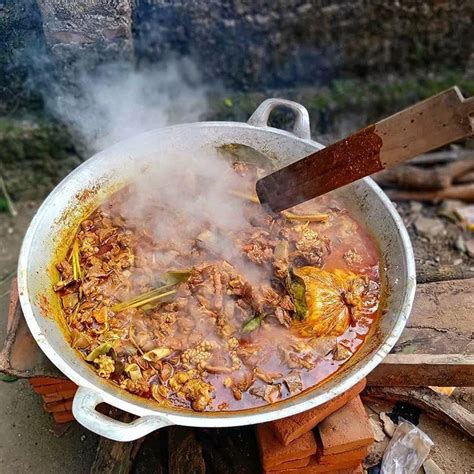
{"points": [[349, 62], [250, 45], [20, 34], [274, 43], [87, 32], [243, 44]]}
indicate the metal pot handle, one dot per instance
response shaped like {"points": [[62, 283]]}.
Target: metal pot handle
{"points": [[301, 128], [83, 409]]}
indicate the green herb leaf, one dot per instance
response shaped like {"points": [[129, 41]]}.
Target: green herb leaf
{"points": [[76, 265], [246, 154], [103, 349], [252, 324], [145, 299], [3, 205], [8, 378], [173, 277], [246, 196], [297, 290], [305, 217], [149, 299]]}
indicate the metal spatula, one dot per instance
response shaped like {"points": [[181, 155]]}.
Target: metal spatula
{"points": [[434, 122]]}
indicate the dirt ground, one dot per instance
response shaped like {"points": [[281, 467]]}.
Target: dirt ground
{"points": [[452, 451], [28, 444]]}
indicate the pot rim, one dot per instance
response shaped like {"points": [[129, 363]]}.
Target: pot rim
{"points": [[231, 418]]}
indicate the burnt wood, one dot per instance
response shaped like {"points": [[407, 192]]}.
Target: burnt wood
{"points": [[425, 274], [462, 192], [113, 457], [433, 404], [185, 455]]}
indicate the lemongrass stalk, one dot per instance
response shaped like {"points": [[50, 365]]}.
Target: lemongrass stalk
{"points": [[305, 217], [140, 301], [247, 196], [76, 265]]}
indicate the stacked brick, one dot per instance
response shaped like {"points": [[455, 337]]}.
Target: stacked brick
{"points": [[57, 396], [332, 438]]}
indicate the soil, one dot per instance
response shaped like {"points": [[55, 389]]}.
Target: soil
{"points": [[452, 451], [27, 441], [439, 247]]}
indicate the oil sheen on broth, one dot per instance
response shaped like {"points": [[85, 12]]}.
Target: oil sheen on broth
{"points": [[219, 319]]}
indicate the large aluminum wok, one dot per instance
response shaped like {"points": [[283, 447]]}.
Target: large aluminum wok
{"points": [[105, 172]]}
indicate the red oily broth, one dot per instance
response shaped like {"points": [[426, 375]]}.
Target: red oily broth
{"points": [[349, 247]]}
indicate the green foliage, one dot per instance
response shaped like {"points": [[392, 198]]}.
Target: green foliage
{"points": [[8, 378], [3, 205], [367, 99]]}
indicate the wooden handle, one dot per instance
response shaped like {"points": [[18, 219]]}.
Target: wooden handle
{"points": [[468, 105], [437, 121], [430, 124]]}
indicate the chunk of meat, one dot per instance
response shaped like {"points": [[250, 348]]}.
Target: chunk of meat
{"points": [[269, 393], [311, 246], [293, 382], [341, 352], [188, 385], [259, 248], [105, 366], [65, 268], [268, 377], [199, 392], [281, 263]]}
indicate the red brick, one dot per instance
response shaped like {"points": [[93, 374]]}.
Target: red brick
{"points": [[63, 416], [53, 407], [273, 453], [352, 455], [347, 429], [356, 470], [56, 397], [288, 429], [60, 387], [291, 464], [315, 467], [41, 381]]}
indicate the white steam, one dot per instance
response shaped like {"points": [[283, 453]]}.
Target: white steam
{"points": [[186, 198], [187, 201], [118, 101]]}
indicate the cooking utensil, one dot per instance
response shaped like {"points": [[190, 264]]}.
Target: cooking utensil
{"points": [[87, 186], [432, 123]]}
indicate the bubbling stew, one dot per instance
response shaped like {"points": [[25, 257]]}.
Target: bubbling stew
{"points": [[219, 319]]}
